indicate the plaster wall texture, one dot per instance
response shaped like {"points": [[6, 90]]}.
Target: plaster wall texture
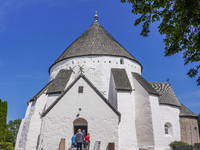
{"points": [[96, 68], [51, 99], [127, 130], [170, 114], [189, 130], [23, 128], [143, 117], [35, 123], [19, 135], [158, 127], [58, 122], [22, 139]]}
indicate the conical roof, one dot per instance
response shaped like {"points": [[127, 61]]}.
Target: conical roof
{"points": [[94, 41]]}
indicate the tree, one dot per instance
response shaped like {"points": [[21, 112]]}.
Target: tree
{"points": [[180, 23], [9, 137], [13, 126], [3, 116]]}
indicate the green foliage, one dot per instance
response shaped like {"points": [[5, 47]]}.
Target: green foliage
{"points": [[179, 23], [176, 143], [9, 137], [6, 146], [3, 116], [13, 126], [197, 143]]}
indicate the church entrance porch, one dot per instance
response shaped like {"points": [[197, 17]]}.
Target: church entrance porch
{"points": [[80, 123]]}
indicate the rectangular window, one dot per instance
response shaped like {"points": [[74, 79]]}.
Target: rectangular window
{"points": [[80, 89]]}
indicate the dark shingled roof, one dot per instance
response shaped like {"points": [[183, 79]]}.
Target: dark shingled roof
{"points": [[59, 83], [121, 79], [144, 83], [185, 112], [94, 41], [167, 95]]}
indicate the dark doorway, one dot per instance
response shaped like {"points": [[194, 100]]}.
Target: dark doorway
{"points": [[76, 127]]}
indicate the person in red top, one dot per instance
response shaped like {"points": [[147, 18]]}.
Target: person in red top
{"points": [[87, 141]]}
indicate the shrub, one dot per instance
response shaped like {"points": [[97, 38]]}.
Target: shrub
{"points": [[176, 143], [197, 143], [6, 146]]}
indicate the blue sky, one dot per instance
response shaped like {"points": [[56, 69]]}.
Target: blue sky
{"points": [[34, 33]]}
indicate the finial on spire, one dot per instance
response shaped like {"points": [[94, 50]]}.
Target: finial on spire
{"points": [[96, 16]]}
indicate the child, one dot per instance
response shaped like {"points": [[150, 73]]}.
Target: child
{"points": [[73, 141]]}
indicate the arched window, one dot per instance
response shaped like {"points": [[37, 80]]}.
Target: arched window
{"points": [[168, 128], [121, 61]]}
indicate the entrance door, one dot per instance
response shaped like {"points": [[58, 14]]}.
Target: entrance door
{"points": [[80, 123], [80, 127]]}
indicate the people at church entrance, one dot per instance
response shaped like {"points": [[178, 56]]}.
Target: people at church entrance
{"points": [[79, 139], [87, 141], [84, 133], [73, 142]]}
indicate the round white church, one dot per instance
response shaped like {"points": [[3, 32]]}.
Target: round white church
{"points": [[96, 85]]}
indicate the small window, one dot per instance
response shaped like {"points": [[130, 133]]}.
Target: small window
{"points": [[168, 128], [80, 89], [121, 61], [109, 61]]}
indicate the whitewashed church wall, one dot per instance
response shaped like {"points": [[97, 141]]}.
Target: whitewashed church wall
{"points": [[51, 99], [19, 134], [112, 95], [127, 127], [35, 123], [96, 68], [170, 114], [28, 110], [23, 130], [102, 121], [143, 116], [25, 126], [158, 127]]}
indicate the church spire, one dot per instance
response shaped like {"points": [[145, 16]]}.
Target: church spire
{"points": [[96, 16]]}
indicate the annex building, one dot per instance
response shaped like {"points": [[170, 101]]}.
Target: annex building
{"points": [[97, 85]]}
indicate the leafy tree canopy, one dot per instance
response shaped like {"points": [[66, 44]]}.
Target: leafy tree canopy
{"points": [[13, 126], [9, 136], [180, 23]]}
